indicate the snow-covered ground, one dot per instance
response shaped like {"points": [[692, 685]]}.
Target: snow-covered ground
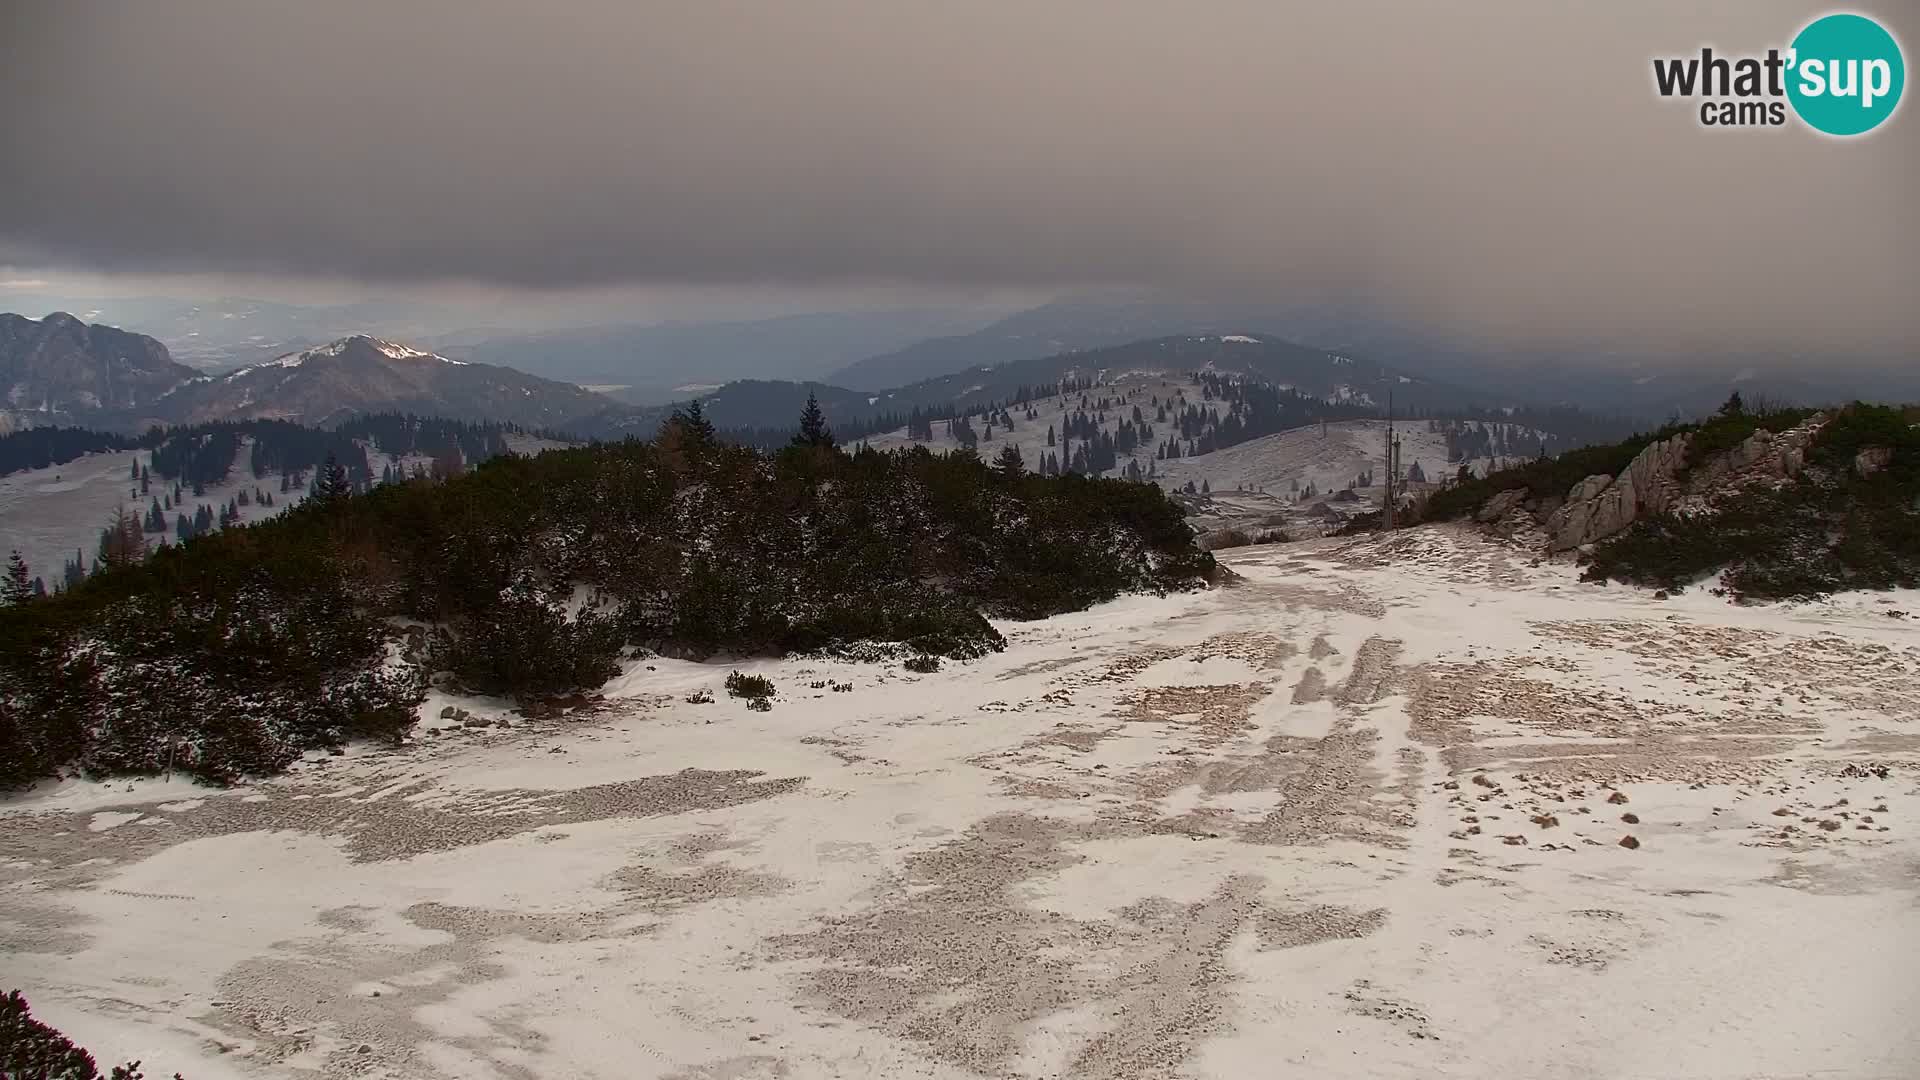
{"points": [[1325, 458], [1359, 815]]}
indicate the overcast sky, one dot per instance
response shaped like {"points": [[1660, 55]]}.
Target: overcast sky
{"points": [[1494, 168]]}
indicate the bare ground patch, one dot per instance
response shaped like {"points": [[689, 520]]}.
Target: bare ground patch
{"points": [[58, 849], [951, 958]]}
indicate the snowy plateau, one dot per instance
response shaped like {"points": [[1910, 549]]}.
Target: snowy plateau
{"points": [[1406, 806]]}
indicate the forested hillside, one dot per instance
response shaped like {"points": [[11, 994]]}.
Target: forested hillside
{"points": [[233, 652]]}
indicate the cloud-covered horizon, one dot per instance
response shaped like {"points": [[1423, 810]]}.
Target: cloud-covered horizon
{"points": [[1500, 168]]}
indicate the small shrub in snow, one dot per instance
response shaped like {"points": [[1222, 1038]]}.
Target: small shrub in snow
{"points": [[751, 687], [922, 664], [700, 697]]}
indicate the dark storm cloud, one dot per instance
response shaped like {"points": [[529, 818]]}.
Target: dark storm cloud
{"points": [[1502, 166]]}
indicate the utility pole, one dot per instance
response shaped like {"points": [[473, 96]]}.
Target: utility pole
{"points": [[1393, 448]]}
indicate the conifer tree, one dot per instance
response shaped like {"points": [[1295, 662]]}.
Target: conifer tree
{"points": [[699, 429], [1009, 461], [18, 587], [123, 542], [331, 482], [813, 425]]}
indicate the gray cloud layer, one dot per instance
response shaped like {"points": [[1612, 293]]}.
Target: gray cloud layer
{"points": [[1505, 167]]}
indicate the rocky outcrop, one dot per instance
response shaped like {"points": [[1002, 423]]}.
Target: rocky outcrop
{"points": [[1652, 483], [1872, 459], [1501, 505], [1760, 456], [1602, 505]]}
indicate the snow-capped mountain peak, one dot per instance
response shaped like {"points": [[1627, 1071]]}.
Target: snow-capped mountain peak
{"points": [[392, 350], [361, 373]]}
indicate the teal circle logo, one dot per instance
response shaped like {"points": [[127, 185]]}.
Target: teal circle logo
{"points": [[1845, 74]]}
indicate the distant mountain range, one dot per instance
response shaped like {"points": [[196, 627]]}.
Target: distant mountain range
{"points": [[664, 362], [60, 370], [873, 351], [232, 331], [1049, 330], [64, 370], [361, 374], [1645, 381], [1331, 376], [1321, 373]]}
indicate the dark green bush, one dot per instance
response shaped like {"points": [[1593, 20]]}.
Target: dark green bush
{"points": [[528, 648], [751, 687]]}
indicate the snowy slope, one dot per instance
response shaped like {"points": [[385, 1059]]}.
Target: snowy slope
{"points": [[1353, 817], [47, 513]]}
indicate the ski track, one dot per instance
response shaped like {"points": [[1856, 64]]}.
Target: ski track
{"points": [[1356, 814]]}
